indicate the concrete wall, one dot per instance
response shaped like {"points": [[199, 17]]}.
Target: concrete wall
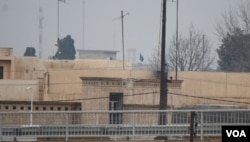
{"points": [[63, 79], [215, 87], [6, 64], [16, 90], [28, 68], [6, 51], [137, 93]]}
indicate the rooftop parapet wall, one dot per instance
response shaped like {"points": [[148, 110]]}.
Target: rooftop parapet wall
{"points": [[28, 68], [6, 51], [86, 64]]}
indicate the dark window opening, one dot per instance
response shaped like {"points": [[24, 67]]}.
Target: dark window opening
{"points": [[6, 107], [14, 107], [37, 108], [66, 108], [44, 108], [51, 108], [21, 107], [59, 108], [1, 72], [115, 103], [29, 108]]}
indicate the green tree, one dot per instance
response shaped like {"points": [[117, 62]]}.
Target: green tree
{"points": [[234, 52], [30, 51], [66, 49]]}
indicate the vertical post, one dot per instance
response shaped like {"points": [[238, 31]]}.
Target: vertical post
{"points": [[1, 126], [31, 104], [83, 23], [31, 107], [122, 16], [203, 51], [177, 40], [122, 40], [201, 125], [163, 84], [192, 126], [67, 128], [134, 125], [58, 21]]}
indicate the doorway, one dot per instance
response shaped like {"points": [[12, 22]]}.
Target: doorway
{"points": [[115, 104]]}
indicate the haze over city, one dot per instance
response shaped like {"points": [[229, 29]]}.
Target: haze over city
{"points": [[19, 27]]}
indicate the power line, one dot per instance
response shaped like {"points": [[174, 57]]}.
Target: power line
{"points": [[152, 93], [208, 98]]}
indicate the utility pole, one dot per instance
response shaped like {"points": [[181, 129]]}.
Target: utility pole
{"points": [[58, 21], [203, 52], [41, 18], [163, 84], [122, 41], [192, 123], [83, 23], [177, 42], [122, 16]]}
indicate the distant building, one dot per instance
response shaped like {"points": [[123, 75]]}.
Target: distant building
{"points": [[6, 51], [97, 54], [82, 82], [131, 55]]}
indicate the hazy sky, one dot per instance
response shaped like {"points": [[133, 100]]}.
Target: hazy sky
{"points": [[19, 25]]}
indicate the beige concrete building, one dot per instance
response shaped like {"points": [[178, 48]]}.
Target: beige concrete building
{"points": [[214, 89], [87, 82]]}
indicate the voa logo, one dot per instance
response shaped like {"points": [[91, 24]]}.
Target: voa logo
{"points": [[236, 133]]}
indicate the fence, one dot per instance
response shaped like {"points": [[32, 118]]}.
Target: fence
{"points": [[136, 123]]}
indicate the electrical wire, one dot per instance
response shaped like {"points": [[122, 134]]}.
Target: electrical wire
{"points": [[152, 93]]}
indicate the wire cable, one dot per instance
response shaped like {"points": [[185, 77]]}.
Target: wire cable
{"points": [[152, 93]]}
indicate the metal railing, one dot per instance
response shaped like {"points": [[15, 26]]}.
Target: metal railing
{"points": [[133, 123]]}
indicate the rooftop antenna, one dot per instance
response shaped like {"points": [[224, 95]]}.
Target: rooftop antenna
{"points": [[121, 17], [58, 18], [41, 18], [83, 23]]}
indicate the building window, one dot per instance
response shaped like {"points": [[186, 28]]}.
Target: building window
{"points": [[6, 107], [21, 107], [44, 108], [51, 108], [14, 107], [59, 108], [28, 107], [66, 108], [37, 108], [1, 72]]}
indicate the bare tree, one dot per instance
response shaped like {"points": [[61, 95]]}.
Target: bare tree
{"points": [[244, 8], [233, 20], [234, 33], [193, 54], [155, 59]]}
